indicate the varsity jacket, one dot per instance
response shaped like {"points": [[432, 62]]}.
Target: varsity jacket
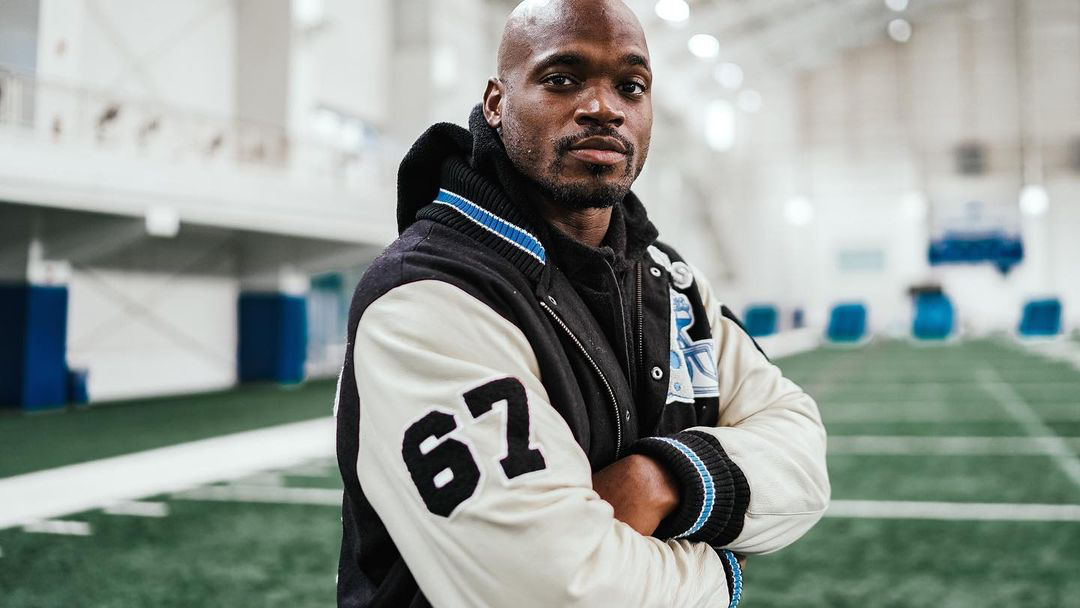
{"points": [[480, 392]]}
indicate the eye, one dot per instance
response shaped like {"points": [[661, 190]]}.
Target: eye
{"points": [[633, 88], [558, 80]]}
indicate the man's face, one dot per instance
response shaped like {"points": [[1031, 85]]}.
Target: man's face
{"points": [[576, 108]]}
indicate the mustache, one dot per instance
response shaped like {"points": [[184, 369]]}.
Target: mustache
{"points": [[563, 144]]}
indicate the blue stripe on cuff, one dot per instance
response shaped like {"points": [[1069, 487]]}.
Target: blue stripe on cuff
{"points": [[708, 490], [736, 577]]}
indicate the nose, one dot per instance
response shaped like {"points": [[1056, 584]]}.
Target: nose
{"points": [[599, 107]]}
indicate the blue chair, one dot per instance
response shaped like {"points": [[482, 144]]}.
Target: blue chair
{"points": [[847, 322], [933, 317], [760, 320], [1041, 318]]}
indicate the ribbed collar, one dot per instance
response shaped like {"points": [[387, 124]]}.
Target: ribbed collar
{"points": [[474, 165]]}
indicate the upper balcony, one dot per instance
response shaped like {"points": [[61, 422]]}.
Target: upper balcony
{"points": [[75, 148]]}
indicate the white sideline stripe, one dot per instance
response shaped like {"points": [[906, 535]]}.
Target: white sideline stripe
{"points": [[90, 485], [318, 471], [58, 526], [980, 511], [1055, 446], [1056, 349], [138, 509], [790, 342], [270, 494], [951, 446], [263, 479]]}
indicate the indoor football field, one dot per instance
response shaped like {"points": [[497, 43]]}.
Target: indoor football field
{"points": [[954, 469]]}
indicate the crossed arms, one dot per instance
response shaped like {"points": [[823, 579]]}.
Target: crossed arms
{"points": [[491, 501]]}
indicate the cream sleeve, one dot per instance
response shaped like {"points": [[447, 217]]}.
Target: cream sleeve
{"points": [[484, 490]]}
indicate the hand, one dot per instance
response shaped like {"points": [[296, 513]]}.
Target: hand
{"points": [[641, 490]]}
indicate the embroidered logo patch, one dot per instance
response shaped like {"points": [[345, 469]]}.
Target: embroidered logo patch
{"points": [[693, 362]]}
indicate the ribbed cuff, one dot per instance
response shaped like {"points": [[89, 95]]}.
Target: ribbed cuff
{"points": [[713, 493], [734, 576]]}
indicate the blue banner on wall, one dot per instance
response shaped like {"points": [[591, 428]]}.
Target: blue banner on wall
{"points": [[997, 248], [273, 337]]}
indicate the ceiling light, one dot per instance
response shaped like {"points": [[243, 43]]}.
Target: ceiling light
{"points": [[162, 221], [720, 125], [704, 46], [749, 101], [674, 11], [899, 30], [729, 75], [308, 13], [799, 211], [897, 5], [1034, 200]]}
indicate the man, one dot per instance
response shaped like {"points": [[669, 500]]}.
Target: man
{"points": [[541, 405]]}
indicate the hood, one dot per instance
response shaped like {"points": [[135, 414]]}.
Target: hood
{"points": [[446, 148]]}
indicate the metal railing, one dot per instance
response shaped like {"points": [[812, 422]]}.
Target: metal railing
{"points": [[102, 121]]}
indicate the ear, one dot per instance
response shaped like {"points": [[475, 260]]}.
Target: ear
{"points": [[493, 98]]}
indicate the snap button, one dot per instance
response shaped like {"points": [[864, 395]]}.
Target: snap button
{"points": [[657, 373], [654, 271]]}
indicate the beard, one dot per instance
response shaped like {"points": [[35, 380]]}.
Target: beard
{"points": [[599, 190]]}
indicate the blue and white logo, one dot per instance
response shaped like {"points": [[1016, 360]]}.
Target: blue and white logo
{"points": [[693, 363]]}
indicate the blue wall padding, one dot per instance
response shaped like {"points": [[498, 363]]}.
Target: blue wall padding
{"points": [[847, 322], [760, 320], [798, 318], [273, 337], [933, 317], [33, 343], [993, 247], [1041, 318], [76, 386]]}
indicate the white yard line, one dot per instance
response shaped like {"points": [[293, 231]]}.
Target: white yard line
{"points": [[138, 509], [910, 445], [317, 471], [270, 478], [265, 494], [1055, 446], [91, 485], [967, 511], [1057, 349], [59, 526]]}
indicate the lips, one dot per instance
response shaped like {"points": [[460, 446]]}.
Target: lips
{"points": [[599, 150]]}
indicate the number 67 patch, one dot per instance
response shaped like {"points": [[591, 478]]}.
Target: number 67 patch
{"points": [[444, 469]]}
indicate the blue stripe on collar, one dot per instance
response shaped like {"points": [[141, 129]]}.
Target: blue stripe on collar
{"points": [[515, 235]]}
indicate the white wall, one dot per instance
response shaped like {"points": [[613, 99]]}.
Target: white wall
{"points": [[155, 317], [860, 135], [182, 52], [18, 34]]}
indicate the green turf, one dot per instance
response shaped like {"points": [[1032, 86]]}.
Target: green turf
{"points": [[951, 478], [849, 563], [202, 554], [235, 554], [29, 442]]}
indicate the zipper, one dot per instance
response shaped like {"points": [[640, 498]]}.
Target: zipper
{"points": [[630, 361], [639, 359], [596, 368]]}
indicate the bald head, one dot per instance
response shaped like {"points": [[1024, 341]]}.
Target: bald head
{"points": [[536, 20], [572, 100]]}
